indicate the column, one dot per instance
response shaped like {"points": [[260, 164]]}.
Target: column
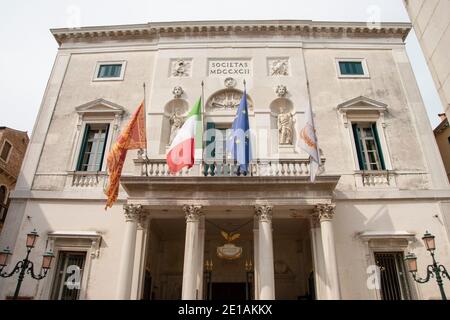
{"points": [[320, 276], [263, 215], [200, 258], [190, 267], [325, 213], [256, 260], [132, 214], [140, 257]]}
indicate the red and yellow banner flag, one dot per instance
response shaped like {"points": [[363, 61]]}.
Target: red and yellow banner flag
{"points": [[132, 137]]}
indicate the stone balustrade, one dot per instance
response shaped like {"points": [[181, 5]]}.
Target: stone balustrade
{"points": [[260, 167]]}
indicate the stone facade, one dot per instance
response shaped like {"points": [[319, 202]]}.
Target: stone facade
{"points": [[432, 25], [10, 167], [304, 239]]}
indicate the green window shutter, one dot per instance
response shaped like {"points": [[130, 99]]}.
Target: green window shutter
{"points": [[377, 140], [104, 148], [83, 147], [359, 151]]}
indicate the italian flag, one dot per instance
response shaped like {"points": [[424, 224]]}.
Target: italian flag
{"points": [[182, 150]]}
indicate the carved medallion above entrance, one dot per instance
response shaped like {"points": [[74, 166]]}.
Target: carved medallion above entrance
{"points": [[226, 100]]}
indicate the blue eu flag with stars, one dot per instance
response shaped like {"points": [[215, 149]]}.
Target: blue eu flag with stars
{"points": [[239, 139]]}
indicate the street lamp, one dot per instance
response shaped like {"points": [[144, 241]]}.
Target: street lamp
{"points": [[25, 265], [208, 274], [249, 278], [433, 270]]}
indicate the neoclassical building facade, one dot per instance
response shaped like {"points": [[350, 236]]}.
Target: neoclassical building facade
{"points": [[207, 232]]}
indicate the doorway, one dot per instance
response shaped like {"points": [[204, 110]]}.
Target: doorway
{"points": [[228, 291]]}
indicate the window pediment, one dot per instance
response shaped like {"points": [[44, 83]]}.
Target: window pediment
{"points": [[362, 108], [100, 107]]}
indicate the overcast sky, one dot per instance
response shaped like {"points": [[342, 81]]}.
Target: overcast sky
{"points": [[28, 49]]}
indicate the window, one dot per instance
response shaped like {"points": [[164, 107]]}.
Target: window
{"points": [[351, 67], [394, 285], [93, 147], [68, 276], [109, 71], [4, 155], [368, 147]]}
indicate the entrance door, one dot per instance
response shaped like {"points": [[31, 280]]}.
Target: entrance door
{"points": [[228, 291]]}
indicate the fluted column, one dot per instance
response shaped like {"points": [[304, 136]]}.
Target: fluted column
{"points": [[325, 213], [191, 252], [132, 214], [263, 215], [140, 257], [256, 260]]}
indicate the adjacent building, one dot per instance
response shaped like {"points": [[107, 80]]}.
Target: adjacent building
{"points": [[431, 21], [442, 134], [13, 144], [208, 232]]}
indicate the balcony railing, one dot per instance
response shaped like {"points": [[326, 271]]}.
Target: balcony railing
{"points": [[87, 179], [258, 168], [376, 178]]}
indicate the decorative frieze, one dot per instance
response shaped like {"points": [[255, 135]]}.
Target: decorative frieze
{"points": [[324, 211], [263, 213], [192, 212]]}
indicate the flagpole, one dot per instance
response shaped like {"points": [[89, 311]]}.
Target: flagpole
{"points": [[203, 121], [145, 123]]}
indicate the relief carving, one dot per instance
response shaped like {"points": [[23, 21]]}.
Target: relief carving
{"points": [[177, 92], [279, 67], [181, 68]]}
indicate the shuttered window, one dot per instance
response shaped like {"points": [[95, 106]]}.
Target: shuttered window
{"points": [[93, 147], [368, 146]]}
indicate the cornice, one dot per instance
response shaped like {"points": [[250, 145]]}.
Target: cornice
{"points": [[167, 29]]}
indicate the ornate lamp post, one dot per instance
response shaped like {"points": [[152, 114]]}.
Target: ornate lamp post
{"points": [[249, 277], [208, 274], [433, 270], [25, 265]]}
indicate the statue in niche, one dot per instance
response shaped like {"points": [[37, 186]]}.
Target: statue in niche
{"points": [[285, 127], [176, 121]]}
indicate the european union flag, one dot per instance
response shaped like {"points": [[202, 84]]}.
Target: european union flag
{"points": [[238, 143]]}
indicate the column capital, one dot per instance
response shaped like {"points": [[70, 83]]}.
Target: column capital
{"points": [[133, 212], [263, 213], [193, 212], [324, 212]]}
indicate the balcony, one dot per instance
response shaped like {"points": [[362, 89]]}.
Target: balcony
{"points": [[257, 168]]}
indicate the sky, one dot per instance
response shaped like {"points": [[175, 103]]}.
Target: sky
{"points": [[28, 49]]}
